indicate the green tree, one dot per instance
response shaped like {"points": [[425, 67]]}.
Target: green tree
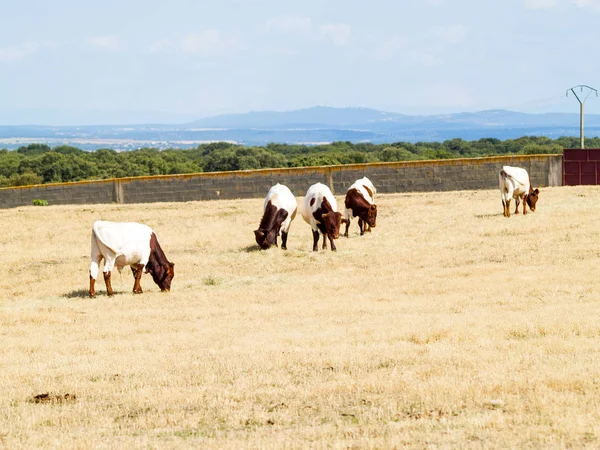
{"points": [[33, 149], [540, 149], [392, 154]]}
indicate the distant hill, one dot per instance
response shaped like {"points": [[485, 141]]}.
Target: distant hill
{"points": [[318, 116], [327, 117], [307, 126]]}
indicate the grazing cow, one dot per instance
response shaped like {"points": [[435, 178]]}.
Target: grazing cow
{"points": [[360, 202], [278, 212], [128, 243], [514, 183], [319, 209]]}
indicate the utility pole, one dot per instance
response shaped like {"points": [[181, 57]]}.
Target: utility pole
{"points": [[581, 103]]}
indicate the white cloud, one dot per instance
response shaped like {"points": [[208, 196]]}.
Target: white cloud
{"points": [[540, 4], [18, 52], [209, 43], [109, 42], [160, 45], [594, 5], [426, 49], [282, 50], [385, 50], [424, 58], [448, 34], [289, 25], [338, 33]]}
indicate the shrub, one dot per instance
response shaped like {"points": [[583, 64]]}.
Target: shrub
{"points": [[39, 202], [25, 179]]}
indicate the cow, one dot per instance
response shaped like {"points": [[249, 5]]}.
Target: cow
{"points": [[128, 244], [319, 210], [278, 212], [360, 202], [514, 183]]}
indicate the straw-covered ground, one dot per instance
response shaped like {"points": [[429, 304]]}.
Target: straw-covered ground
{"points": [[447, 326]]}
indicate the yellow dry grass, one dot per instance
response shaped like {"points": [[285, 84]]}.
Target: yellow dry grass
{"points": [[449, 326]]}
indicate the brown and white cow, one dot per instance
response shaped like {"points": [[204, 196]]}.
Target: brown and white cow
{"points": [[514, 183], [278, 212], [128, 244], [319, 210], [360, 202]]}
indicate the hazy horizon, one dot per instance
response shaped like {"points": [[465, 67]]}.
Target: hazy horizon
{"points": [[136, 118]]}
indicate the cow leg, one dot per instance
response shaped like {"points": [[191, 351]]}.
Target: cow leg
{"points": [[109, 290], [138, 271], [333, 249], [92, 283], [325, 241], [347, 226], [96, 259], [507, 209], [315, 241], [525, 204], [360, 226], [284, 240], [517, 203]]}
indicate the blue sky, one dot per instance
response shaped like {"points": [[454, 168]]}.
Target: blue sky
{"points": [[75, 62]]}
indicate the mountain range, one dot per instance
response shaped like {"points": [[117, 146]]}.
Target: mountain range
{"points": [[306, 126]]}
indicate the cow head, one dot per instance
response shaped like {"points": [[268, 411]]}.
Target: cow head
{"points": [[372, 216], [162, 275], [271, 221], [265, 238], [332, 222], [532, 198]]}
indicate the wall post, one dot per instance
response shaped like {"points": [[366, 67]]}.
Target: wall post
{"points": [[555, 172], [118, 196], [329, 174]]}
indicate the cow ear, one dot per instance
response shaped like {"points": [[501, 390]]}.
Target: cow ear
{"points": [[323, 216], [536, 191], [171, 265], [258, 233], [373, 207]]}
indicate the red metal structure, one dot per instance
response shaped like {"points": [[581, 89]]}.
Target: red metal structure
{"points": [[581, 166]]}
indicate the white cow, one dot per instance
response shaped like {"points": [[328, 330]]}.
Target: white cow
{"points": [[128, 244], [319, 210], [278, 212], [514, 183], [360, 202]]}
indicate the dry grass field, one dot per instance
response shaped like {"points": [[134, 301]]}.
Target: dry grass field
{"points": [[449, 326]]}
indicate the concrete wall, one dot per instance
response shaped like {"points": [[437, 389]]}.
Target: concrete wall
{"points": [[408, 176]]}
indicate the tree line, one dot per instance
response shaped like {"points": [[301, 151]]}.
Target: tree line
{"points": [[39, 163]]}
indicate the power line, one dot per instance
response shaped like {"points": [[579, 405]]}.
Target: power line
{"points": [[581, 103]]}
